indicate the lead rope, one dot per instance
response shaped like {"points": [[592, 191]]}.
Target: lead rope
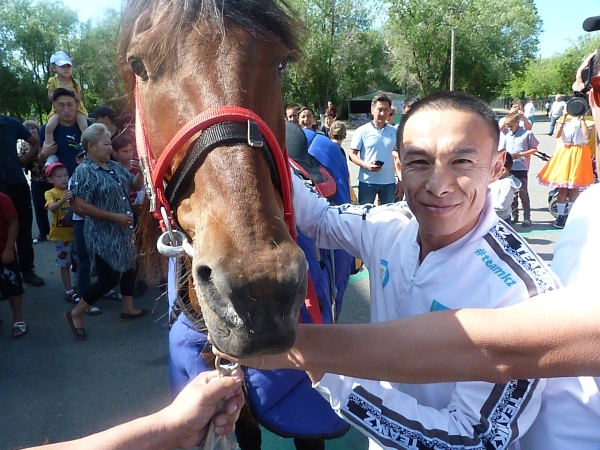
{"points": [[214, 442]]}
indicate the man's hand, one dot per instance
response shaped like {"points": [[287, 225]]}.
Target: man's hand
{"points": [[8, 256], [579, 84], [188, 417], [372, 167], [49, 149]]}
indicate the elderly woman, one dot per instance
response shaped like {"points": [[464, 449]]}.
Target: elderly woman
{"points": [[100, 189]]}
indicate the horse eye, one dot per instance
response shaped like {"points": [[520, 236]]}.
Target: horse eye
{"points": [[138, 68], [282, 66]]}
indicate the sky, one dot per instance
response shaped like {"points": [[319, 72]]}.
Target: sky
{"points": [[561, 19]]}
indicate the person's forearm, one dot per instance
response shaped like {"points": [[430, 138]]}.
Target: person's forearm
{"points": [[526, 153], [526, 123], [356, 159], [147, 433], [138, 182], [55, 206], [84, 208], [548, 336]]}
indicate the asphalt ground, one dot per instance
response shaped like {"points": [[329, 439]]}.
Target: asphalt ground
{"points": [[53, 388]]}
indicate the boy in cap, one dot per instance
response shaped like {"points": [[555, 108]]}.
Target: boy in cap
{"points": [[61, 64], [61, 230]]}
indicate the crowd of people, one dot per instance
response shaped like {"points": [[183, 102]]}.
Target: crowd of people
{"points": [[462, 173]]}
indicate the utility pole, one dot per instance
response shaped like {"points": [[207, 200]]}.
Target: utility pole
{"points": [[452, 51]]}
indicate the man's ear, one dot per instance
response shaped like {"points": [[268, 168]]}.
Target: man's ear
{"points": [[499, 158]]}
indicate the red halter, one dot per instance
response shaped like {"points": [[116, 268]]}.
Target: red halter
{"points": [[155, 170]]}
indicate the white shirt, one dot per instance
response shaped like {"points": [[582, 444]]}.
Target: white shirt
{"points": [[492, 266], [502, 192], [529, 110], [570, 413]]}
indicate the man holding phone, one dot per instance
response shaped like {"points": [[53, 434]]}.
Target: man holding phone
{"points": [[371, 149]]}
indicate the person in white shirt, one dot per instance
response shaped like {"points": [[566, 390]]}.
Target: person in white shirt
{"points": [[529, 111], [456, 253], [556, 111], [504, 189]]}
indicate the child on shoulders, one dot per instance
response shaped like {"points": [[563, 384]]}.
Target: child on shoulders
{"points": [[61, 64], [504, 190]]}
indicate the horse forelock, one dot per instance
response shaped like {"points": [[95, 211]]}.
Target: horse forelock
{"points": [[261, 18]]}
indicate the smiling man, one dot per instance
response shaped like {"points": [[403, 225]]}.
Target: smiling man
{"points": [[456, 254]]}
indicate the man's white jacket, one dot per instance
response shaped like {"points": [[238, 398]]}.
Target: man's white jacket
{"points": [[490, 267]]}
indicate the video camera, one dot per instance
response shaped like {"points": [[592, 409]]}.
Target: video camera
{"points": [[578, 105]]}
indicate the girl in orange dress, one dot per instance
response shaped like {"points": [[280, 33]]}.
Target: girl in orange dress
{"points": [[570, 168]]}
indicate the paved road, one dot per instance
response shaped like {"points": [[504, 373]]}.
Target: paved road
{"points": [[55, 388]]}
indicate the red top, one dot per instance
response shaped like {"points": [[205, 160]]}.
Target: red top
{"points": [[7, 211]]}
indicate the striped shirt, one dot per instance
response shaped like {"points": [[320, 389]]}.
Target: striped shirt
{"points": [[107, 189]]}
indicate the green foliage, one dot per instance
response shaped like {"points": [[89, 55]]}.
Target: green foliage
{"points": [[342, 56], [554, 75], [495, 39], [30, 32]]}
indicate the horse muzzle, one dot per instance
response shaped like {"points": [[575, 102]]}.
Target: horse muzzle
{"points": [[251, 312]]}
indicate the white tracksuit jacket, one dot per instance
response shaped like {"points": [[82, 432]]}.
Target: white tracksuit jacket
{"points": [[490, 267], [570, 414]]}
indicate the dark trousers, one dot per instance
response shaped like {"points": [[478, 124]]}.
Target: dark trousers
{"points": [[83, 269], [523, 194], [553, 120], [21, 197], [367, 193], [108, 278], [38, 189]]}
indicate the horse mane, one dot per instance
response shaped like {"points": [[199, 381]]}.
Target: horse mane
{"points": [[261, 18]]}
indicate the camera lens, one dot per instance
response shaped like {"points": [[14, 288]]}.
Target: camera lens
{"points": [[577, 106]]}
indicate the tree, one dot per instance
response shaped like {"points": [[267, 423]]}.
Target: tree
{"points": [[495, 39], [29, 34], [342, 56]]}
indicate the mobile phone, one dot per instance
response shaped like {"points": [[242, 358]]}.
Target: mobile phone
{"points": [[378, 163]]}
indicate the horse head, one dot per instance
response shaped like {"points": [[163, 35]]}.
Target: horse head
{"points": [[186, 57]]}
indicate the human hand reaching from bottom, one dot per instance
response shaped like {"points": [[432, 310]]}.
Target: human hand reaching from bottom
{"points": [[189, 416]]}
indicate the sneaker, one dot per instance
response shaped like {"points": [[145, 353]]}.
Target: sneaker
{"points": [[560, 222], [526, 223], [93, 311], [39, 239], [72, 297], [112, 295], [32, 279]]}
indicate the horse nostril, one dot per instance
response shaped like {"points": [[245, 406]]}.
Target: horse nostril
{"points": [[203, 273]]}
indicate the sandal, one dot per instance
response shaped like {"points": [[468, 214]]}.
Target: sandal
{"points": [[93, 311], [19, 329], [72, 297]]}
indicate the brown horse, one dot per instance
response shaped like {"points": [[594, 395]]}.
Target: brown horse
{"points": [[249, 277]]}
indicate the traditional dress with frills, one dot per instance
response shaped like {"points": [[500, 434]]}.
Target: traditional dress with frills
{"points": [[571, 165]]}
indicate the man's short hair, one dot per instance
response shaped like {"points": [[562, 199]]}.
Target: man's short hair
{"points": [[329, 114], [408, 102], [104, 111], [452, 100], [508, 162], [59, 92], [338, 130], [292, 106], [381, 98], [306, 108]]}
